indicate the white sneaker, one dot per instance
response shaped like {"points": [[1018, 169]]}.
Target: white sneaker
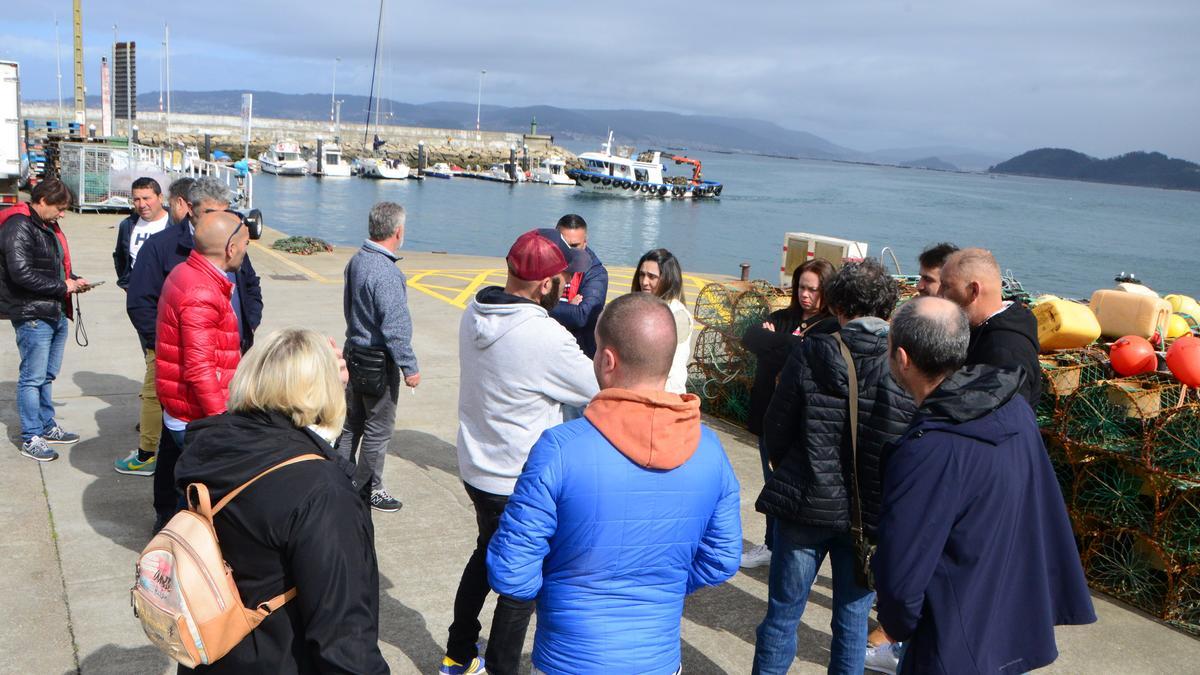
{"points": [[756, 557], [883, 658]]}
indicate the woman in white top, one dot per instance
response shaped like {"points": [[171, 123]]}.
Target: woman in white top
{"points": [[658, 272]]}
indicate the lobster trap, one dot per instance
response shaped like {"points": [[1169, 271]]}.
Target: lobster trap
{"points": [[1128, 565], [1115, 417], [1063, 372]]}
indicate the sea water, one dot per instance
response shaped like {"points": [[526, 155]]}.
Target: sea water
{"points": [[1062, 237]]}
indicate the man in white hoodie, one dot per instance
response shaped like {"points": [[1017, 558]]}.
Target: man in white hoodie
{"points": [[518, 368]]}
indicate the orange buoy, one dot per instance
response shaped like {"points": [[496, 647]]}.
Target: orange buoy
{"points": [[1132, 355], [1183, 360]]}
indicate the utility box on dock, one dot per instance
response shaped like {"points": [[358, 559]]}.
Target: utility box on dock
{"points": [[800, 247]]}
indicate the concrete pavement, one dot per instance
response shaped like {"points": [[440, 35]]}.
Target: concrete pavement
{"points": [[72, 528]]}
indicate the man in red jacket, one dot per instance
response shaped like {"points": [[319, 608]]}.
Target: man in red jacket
{"points": [[198, 336]]}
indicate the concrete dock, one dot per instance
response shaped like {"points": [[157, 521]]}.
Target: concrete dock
{"points": [[73, 527]]}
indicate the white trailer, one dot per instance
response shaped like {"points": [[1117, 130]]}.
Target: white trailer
{"points": [[11, 169]]}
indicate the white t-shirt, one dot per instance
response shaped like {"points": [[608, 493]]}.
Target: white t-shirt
{"points": [[142, 230]]}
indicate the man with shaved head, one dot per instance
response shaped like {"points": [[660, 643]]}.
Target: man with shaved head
{"points": [[619, 515], [976, 562], [198, 339], [1003, 332]]}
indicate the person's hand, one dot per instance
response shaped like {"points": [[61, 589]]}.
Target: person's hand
{"points": [[412, 380], [78, 285], [767, 325], [343, 372], [578, 299]]}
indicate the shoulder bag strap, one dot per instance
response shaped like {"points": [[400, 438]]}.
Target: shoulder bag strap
{"points": [[236, 491], [852, 381]]}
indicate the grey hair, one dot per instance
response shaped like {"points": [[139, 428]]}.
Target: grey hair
{"points": [[936, 341], [180, 188], [208, 189], [385, 218]]}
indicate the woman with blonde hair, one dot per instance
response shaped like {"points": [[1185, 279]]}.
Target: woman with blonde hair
{"points": [[305, 525]]}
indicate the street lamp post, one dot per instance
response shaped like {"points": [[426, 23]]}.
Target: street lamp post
{"points": [[333, 97], [478, 106]]}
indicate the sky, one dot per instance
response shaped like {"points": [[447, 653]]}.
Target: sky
{"points": [[1099, 76]]}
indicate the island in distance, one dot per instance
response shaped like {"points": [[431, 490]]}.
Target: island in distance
{"points": [[1144, 169]]}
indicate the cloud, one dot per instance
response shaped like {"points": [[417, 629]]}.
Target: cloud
{"points": [[1102, 76]]}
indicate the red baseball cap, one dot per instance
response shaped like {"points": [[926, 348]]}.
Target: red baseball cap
{"points": [[539, 254]]}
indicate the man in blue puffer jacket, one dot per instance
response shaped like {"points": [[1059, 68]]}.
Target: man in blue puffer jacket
{"points": [[619, 515]]}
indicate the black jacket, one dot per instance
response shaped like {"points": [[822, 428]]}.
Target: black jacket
{"points": [[122, 261], [581, 319], [807, 435], [32, 281], [1010, 340], [771, 349], [157, 257], [306, 526]]}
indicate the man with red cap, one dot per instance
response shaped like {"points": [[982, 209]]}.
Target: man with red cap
{"points": [[518, 368]]}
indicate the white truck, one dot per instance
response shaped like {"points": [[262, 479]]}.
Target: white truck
{"points": [[12, 161]]}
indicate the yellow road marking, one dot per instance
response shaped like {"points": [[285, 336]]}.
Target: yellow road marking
{"points": [[295, 265]]}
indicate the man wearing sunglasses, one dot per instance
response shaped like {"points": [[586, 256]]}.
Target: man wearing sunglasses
{"points": [[157, 258]]}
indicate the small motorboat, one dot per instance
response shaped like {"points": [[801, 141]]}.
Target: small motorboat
{"points": [[440, 170], [331, 162], [384, 168], [283, 159], [552, 171], [607, 172]]}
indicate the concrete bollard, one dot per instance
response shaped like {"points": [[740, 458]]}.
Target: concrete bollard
{"points": [[207, 147], [512, 161], [134, 134], [421, 158], [745, 271], [320, 157]]}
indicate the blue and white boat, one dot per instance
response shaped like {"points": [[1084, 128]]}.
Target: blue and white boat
{"points": [[606, 172]]}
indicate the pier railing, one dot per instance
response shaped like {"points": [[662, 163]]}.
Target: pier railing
{"points": [[100, 175]]}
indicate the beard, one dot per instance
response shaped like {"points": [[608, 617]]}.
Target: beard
{"points": [[550, 300]]}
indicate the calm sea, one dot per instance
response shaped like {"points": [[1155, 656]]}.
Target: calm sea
{"points": [[1061, 237]]}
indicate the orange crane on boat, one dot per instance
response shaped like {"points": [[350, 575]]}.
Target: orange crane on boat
{"points": [[696, 175]]}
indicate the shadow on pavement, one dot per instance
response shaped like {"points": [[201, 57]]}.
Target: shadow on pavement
{"points": [[425, 450], [121, 660], [404, 628], [116, 506]]}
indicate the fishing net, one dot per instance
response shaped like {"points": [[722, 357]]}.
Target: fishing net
{"points": [[1128, 566], [720, 356], [734, 401], [1063, 372], [1175, 444], [714, 305], [1114, 494], [302, 245], [1115, 416], [1184, 611], [1179, 532]]}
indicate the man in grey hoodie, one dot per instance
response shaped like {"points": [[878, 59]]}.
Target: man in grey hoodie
{"points": [[378, 339], [518, 368]]}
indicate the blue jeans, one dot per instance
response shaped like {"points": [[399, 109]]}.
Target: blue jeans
{"points": [[798, 554], [41, 345]]}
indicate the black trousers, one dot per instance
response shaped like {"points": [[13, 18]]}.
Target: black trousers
{"points": [[167, 499], [511, 619]]}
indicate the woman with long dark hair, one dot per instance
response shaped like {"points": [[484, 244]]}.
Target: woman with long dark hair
{"points": [[658, 272], [770, 343]]}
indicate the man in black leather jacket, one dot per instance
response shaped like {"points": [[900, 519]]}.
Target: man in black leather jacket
{"points": [[36, 284], [819, 480]]}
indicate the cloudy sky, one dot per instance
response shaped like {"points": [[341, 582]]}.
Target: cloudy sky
{"points": [[1099, 76]]}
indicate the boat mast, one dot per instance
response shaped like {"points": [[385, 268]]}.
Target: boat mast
{"points": [[58, 68], [167, 66], [374, 67]]}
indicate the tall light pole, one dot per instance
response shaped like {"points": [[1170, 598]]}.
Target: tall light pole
{"points": [[478, 106], [333, 96]]}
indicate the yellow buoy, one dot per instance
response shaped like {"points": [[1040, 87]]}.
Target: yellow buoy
{"points": [[1177, 326], [1183, 304]]}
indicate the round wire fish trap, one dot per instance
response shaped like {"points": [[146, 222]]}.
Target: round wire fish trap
{"points": [[734, 402], [1179, 531], [714, 305], [1184, 609], [1115, 416], [1175, 444], [753, 306], [1063, 372], [1128, 566], [1115, 494], [720, 356]]}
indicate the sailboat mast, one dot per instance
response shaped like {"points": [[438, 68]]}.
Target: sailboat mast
{"points": [[374, 67]]}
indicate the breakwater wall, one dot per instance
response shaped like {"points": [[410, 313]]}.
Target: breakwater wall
{"points": [[456, 146]]}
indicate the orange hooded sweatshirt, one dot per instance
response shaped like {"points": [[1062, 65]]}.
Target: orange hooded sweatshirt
{"points": [[655, 429]]}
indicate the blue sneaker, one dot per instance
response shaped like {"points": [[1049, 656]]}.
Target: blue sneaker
{"points": [[452, 667], [60, 436], [36, 448]]}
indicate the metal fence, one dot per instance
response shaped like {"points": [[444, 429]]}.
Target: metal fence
{"points": [[100, 175]]}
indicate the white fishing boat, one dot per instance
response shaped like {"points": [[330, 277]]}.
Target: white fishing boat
{"points": [[440, 170], [283, 159], [552, 171], [383, 168], [608, 172], [330, 162]]}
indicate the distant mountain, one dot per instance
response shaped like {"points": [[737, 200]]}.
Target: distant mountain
{"points": [[965, 159], [929, 163], [643, 128], [1147, 169]]}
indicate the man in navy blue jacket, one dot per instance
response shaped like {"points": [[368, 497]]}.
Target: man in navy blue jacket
{"points": [[585, 295], [159, 255], [976, 563]]}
